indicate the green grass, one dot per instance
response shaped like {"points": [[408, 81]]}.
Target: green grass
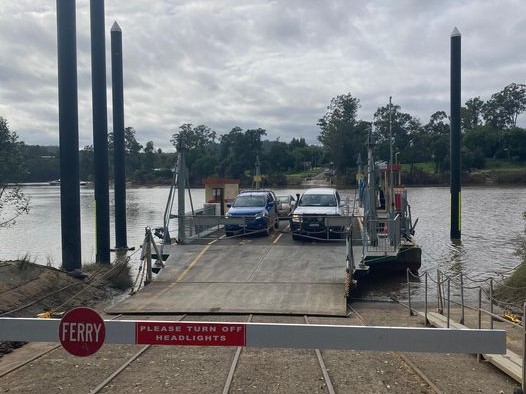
{"points": [[514, 289], [428, 167], [504, 165]]}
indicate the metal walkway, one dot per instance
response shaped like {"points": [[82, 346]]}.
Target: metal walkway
{"points": [[260, 275]]}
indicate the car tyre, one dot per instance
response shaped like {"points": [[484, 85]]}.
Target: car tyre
{"points": [[229, 233], [296, 237]]}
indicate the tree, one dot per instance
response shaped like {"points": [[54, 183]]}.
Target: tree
{"points": [[471, 114], [149, 156], [198, 143], [238, 151], [13, 202], [342, 135], [86, 160], [484, 139], [503, 108], [403, 129], [132, 150], [438, 123], [190, 137]]}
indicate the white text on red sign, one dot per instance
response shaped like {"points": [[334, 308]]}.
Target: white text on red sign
{"points": [[81, 332], [187, 333]]}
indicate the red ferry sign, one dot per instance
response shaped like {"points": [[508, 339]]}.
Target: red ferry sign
{"points": [[81, 331], [190, 334]]}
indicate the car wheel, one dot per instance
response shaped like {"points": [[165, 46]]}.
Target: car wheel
{"points": [[276, 223], [295, 237], [229, 233]]}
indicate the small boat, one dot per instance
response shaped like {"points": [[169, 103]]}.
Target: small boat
{"points": [[57, 183]]}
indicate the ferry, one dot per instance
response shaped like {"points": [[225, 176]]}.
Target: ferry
{"points": [[205, 270]]}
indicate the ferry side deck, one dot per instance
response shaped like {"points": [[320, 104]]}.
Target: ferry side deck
{"points": [[247, 274]]}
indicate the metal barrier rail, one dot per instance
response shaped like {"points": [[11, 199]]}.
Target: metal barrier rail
{"points": [[76, 329], [322, 227], [382, 235], [206, 225]]}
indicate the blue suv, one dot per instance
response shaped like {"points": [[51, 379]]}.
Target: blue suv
{"points": [[258, 208]]}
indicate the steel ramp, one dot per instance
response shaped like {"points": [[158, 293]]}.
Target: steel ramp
{"points": [[299, 279]]}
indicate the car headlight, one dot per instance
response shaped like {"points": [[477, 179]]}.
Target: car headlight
{"points": [[296, 218], [260, 215], [228, 214]]}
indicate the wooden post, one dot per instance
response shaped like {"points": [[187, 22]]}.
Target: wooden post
{"points": [[425, 299], [148, 255], [523, 346], [461, 299]]}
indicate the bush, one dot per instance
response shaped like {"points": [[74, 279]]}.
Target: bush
{"points": [[116, 275]]}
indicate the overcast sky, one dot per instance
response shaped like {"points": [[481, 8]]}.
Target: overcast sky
{"points": [[269, 64]]}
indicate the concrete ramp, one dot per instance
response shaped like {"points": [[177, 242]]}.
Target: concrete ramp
{"points": [[246, 278]]}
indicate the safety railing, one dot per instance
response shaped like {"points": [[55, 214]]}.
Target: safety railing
{"points": [[382, 235], [320, 227], [464, 300]]}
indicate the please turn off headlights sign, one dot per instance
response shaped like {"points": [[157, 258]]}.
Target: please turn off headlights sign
{"points": [[190, 334]]}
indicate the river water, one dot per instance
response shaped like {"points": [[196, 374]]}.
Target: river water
{"points": [[491, 224]]}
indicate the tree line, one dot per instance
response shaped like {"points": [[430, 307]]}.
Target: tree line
{"points": [[489, 130]]}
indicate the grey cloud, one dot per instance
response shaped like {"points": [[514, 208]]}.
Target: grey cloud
{"points": [[270, 64]]}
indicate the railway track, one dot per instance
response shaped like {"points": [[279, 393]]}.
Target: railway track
{"points": [[32, 363], [404, 359], [130, 368], [235, 364]]}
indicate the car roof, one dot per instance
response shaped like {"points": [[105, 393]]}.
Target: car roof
{"points": [[320, 190], [256, 192]]}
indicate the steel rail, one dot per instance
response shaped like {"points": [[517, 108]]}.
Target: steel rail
{"points": [[20, 308], [328, 381], [234, 364], [404, 358], [29, 360], [125, 365]]}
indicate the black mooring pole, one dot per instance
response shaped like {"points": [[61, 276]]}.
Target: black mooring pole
{"points": [[100, 130], [118, 137], [455, 135], [68, 120]]}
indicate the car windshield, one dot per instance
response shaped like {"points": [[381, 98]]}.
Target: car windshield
{"points": [[283, 199], [321, 200], [249, 201]]}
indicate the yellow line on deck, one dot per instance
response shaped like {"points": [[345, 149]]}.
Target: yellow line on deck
{"points": [[183, 274], [277, 238], [194, 262]]}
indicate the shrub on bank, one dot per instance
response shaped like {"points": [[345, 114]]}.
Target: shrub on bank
{"points": [[116, 275], [513, 289]]}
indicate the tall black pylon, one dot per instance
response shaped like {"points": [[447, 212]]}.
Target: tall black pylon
{"points": [[100, 131], [117, 91], [68, 120], [456, 166]]}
